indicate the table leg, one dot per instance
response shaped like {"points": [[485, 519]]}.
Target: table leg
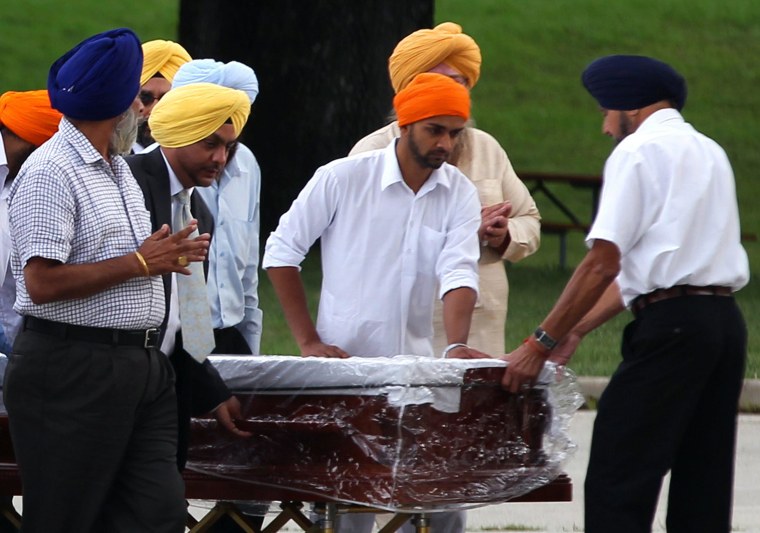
{"points": [[421, 523]]}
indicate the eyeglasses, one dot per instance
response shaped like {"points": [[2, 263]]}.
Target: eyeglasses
{"points": [[147, 97]]}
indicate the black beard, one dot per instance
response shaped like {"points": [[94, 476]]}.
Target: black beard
{"points": [[423, 160], [144, 138]]}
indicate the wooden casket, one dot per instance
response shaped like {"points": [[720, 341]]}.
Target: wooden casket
{"points": [[401, 433]]}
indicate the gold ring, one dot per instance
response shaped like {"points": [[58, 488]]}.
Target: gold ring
{"points": [[182, 261]]}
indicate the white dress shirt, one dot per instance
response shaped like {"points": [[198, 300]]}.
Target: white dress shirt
{"points": [[385, 250], [233, 274], [669, 204], [173, 321]]}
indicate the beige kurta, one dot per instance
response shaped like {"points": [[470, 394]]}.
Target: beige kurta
{"points": [[484, 161]]}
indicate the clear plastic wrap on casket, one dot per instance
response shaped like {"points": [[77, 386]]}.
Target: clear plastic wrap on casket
{"points": [[400, 433]]}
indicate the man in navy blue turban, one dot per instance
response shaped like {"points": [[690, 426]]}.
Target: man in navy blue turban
{"points": [[622, 82], [91, 404], [665, 244], [99, 78]]}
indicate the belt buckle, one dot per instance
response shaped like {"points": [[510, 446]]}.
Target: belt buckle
{"points": [[151, 337]]}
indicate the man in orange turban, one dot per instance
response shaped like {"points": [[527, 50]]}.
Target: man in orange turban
{"points": [[26, 121], [510, 223], [398, 230], [510, 226], [161, 61]]}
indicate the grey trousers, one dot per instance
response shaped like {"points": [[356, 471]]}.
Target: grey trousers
{"points": [[94, 429]]}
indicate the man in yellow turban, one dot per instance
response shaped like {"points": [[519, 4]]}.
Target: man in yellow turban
{"points": [[398, 230], [195, 127], [161, 62], [510, 227]]}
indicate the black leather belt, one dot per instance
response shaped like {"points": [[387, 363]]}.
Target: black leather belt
{"points": [[640, 302], [143, 338]]}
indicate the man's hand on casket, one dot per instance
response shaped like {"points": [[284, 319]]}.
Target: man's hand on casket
{"points": [[523, 366], [227, 412], [320, 349], [565, 349], [465, 352]]}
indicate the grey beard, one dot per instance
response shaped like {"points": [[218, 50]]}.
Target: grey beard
{"points": [[125, 133]]}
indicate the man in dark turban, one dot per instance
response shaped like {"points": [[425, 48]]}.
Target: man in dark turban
{"points": [[90, 398], [665, 244]]}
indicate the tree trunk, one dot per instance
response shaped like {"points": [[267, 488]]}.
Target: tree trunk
{"points": [[323, 73]]}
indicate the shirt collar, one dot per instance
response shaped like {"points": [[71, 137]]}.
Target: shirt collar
{"points": [[660, 117], [392, 172], [79, 142], [174, 184]]}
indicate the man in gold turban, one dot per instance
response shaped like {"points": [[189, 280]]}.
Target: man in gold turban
{"points": [[510, 227], [161, 62], [195, 127]]}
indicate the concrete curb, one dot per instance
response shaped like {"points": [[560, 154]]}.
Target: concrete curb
{"points": [[749, 401]]}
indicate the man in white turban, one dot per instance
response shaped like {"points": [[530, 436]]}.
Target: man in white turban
{"points": [[233, 199]]}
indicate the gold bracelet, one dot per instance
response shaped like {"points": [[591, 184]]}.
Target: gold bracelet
{"points": [[143, 263]]}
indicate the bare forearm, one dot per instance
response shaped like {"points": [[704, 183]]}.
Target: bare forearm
{"points": [[289, 289], [458, 305], [50, 281], [589, 283], [609, 305]]}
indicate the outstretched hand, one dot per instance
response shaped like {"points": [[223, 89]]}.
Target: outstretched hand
{"points": [[166, 252]]}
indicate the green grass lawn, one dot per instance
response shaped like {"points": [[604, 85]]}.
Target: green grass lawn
{"points": [[529, 97]]}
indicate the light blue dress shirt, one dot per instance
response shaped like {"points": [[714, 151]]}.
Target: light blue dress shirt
{"points": [[233, 278]]}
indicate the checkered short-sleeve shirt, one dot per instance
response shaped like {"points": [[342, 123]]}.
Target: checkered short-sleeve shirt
{"points": [[69, 204]]}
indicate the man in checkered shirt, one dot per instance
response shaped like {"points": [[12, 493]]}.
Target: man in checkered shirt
{"points": [[90, 399]]}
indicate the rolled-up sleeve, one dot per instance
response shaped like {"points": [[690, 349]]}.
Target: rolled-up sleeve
{"points": [[305, 221], [458, 263]]}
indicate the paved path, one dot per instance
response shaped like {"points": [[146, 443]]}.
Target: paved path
{"points": [[560, 517]]}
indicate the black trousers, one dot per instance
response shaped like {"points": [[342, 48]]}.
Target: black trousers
{"points": [[94, 429], [670, 406]]}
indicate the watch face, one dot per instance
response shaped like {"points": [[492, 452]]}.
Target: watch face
{"points": [[545, 339]]}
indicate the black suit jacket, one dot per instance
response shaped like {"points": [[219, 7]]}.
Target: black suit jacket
{"points": [[199, 386]]}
